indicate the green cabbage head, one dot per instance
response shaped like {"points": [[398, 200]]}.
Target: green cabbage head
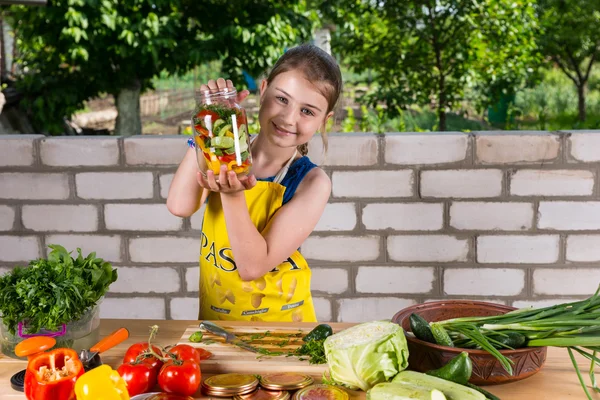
{"points": [[366, 354]]}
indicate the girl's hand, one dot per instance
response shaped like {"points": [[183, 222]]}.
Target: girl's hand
{"points": [[220, 84], [228, 181]]}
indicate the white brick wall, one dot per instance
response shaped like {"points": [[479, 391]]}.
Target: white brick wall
{"points": [[60, 218], [114, 185], [26, 186], [404, 217], [19, 248], [461, 183], [165, 183], [341, 248], [491, 216], [427, 248], [584, 146], [322, 309], [146, 280], [133, 308], [329, 280], [373, 184], [148, 150], [184, 308], [365, 309], [107, 247], [83, 151], [395, 279], [17, 150], [7, 218], [337, 217], [140, 217], [560, 182], [164, 249], [344, 149], [541, 303], [192, 278], [582, 248], [517, 249], [495, 149], [566, 281], [484, 281], [569, 215], [417, 149]]}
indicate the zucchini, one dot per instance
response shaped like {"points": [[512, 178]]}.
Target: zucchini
{"points": [[452, 391], [441, 336], [458, 369], [487, 394], [217, 124], [320, 332], [222, 129], [394, 391], [421, 328], [514, 340]]}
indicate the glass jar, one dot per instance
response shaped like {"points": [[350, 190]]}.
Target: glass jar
{"points": [[221, 133]]}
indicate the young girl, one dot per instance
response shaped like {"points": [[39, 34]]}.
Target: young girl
{"points": [[250, 266]]}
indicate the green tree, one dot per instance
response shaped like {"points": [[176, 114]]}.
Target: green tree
{"points": [[571, 40], [74, 50], [428, 51]]}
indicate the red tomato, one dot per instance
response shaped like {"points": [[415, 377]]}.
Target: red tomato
{"points": [[213, 115], [185, 352], [201, 130], [136, 349], [204, 354], [140, 378], [180, 377], [227, 158]]}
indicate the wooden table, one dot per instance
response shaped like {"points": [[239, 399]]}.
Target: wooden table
{"points": [[556, 381]]}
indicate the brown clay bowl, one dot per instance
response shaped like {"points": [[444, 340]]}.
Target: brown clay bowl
{"points": [[425, 356]]}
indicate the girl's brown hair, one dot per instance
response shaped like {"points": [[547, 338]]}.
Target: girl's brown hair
{"points": [[318, 67]]}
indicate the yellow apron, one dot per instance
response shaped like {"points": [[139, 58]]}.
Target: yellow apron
{"points": [[283, 294]]}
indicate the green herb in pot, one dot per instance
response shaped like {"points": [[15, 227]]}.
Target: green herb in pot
{"points": [[54, 291]]}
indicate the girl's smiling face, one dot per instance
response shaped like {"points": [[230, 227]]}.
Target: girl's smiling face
{"points": [[292, 109]]}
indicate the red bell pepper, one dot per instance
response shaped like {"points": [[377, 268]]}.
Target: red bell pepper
{"points": [[52, 375]]}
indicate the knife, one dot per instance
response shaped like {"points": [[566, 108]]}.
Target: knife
{"points": [[228, 336]]}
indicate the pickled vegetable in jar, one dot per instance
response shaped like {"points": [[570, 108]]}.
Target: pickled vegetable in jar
{"points": [[221, 133]]}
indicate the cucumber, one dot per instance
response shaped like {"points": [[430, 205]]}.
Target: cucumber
{"points": [[441, 336], [393, 391], [421, 328], [452, 391], [320, 332], [458, 369], [487, 394], [217, 124], [222, 142], [513, 340], [242, 131], [223, 129]]}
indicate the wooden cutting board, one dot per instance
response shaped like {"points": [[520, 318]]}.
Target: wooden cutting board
{"points": [[274, 336]]}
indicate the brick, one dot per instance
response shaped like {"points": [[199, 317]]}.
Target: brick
{"points": [[17, 150], [373, 183], [584, 146], [322, 309], [19, 248], [184, 308], [115, 185], [133, 308], [192, 279], [541, 303], [395, 279], [341, 248], [427, 248], [197, 218], [337, 217], [30, 186], [484, 281], [583, 248], [437, 148], [344, 149], [7, 218], [146, 280], [164, 249], [565, 182], [107, 247], [517, 249], [140, 217], [155, 151], [476, 298], [491, 216], [164, 181], [569, 215], [329, 280], [461, 183], [82, 151], [507, 148], [404, 217], [567, 281], [60, 218], [365, 309]]}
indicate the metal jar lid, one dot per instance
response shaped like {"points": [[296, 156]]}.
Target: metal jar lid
{"points": [[321, 391], [285, 381], [262, 394], [228, 385]]}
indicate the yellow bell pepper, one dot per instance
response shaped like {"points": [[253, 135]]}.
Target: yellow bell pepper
{"points": [[101, 383]]}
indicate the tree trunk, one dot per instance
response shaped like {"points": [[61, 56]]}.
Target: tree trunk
{"points": [[581, 98], [128, 108], [441, 119]]}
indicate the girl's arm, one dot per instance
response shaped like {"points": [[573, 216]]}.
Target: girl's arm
{"points": [[185, 193], [257, 253]]}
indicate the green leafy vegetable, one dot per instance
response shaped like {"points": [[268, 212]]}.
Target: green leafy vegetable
{"points": [[54, 291], [314, 350]]}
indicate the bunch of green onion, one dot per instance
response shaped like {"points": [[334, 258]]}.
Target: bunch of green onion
{"points": [[575, 326]]}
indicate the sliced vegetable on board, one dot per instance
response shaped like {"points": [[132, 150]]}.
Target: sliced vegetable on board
{"points": [[453, 391], [395, 391]]}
